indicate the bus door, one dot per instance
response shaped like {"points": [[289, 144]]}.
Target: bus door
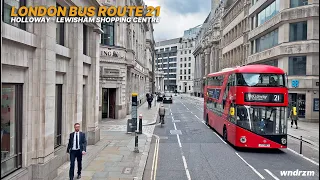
{"points": [[230, 106]]}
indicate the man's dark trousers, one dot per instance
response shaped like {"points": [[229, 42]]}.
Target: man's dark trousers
{"points": [[75, 154]]}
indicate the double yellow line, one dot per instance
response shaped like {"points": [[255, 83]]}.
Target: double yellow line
{"points": [[155, 159]]}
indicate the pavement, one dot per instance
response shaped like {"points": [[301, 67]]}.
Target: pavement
{"points": [[113, 157], [187, 149]]}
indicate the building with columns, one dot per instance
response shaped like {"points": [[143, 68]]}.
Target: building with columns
{"points": [[208, 47], [235, 29], [166, 62], [185, 61], [126, 64], [49, 81], [285, 33]]}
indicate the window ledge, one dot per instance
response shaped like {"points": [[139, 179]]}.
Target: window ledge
{"points": [[18, 35], [286, 49]]}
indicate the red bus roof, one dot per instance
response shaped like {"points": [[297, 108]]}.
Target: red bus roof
{"points": [[257, 68]]}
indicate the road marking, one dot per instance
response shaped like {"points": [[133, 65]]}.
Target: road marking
{"points": [[254, 170], [220, 137], [179, 142], [271, 174], [155, 159], [310, 160], [183, 158], [197, 117], [186, 167]]}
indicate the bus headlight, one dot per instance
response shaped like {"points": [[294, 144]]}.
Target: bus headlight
{"points": [[283, 140], [243, 139]]}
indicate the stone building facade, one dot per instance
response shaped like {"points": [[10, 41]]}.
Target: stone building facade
{"points": [[285, 33], [126, 64], [235, 29], [208, 47], [49, 81], [186, 61]]}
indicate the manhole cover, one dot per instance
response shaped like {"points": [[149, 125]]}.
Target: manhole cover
{"points": [[127, 170], [174, 121], [174, 132]]}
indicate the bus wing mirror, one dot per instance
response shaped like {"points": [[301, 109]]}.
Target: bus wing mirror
{"points": [[232, 111]]}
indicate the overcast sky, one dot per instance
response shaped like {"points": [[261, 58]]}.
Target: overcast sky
{"points": [[177, 16]]}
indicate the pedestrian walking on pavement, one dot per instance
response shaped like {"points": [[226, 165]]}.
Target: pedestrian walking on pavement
{"points": [[294, 117], [162, 113], [76, 148]]}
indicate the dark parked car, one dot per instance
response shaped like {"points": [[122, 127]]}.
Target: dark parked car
{"points": [[160, 97], [167, 98]]}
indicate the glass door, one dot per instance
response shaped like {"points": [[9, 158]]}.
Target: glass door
{"points": [[105, 103]]}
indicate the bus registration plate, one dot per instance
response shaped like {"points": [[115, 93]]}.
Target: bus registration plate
{"points": [[264, 145]]}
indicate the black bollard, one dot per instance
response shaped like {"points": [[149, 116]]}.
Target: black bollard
{"points": [[136, 149], [300, 144], [140, 125]]}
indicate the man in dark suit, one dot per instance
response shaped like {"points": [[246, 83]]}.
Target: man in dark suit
{"points": [[76, 148]]}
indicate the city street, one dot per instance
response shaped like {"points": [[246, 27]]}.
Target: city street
{"points": [[188, 149]]}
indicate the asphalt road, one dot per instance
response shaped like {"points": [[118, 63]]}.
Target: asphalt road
{"points": [[188, 149]]}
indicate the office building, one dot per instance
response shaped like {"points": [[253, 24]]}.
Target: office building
{"points": [[185, 61], [285, 33], [126, 64], [49, 81], [208, 47], [166, 61]]}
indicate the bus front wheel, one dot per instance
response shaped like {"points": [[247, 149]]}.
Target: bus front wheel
{"points": [[225, 134]]}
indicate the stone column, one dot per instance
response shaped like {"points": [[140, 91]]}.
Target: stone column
{"points": [[93, 131], [45, 76], [207, 61]]}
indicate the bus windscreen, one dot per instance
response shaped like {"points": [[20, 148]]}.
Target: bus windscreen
{"points": [[260, 80]]}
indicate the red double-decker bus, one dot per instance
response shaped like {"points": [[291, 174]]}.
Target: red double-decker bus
{"points": [[247, 105]]}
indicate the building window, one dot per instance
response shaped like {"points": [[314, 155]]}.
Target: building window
{"points": [[180, 65], [185, 59], [185, 71], [297, 3], [189, 58], [190, 51], [11, 128], [189, 77], [185, 64], [107, 37], [181, 52], [60, 31], [268, 12], [185, 52], [267, 41], [298, 31], [189, 64], [7, 6], [189, 88], [85, 40], [298, 65], [180, 71], [185, 77], [180, 86], [189, 71], [58, 117], [180, 77]]}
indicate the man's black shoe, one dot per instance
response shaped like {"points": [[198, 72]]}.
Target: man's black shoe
{"points": [[79, 177]]}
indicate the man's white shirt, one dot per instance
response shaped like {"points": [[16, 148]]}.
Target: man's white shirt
{"points": [[75, 142]]}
